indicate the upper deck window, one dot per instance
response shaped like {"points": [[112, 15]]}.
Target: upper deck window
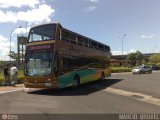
{"points": [[41, 33]]}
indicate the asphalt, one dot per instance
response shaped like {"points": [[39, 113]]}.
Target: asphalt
{"points": [[119, 95]]}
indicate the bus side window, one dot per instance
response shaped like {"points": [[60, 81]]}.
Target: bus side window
{"points": [[56, 64], [65, 63]]}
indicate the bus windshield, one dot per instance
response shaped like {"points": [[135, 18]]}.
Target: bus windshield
{"points": [[42, 33], [38, 63]]}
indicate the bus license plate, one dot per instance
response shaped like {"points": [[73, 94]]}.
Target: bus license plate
{"points": [[48, 84]]}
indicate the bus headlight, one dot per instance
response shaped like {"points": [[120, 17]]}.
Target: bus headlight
{"points": [[48, 84], [48, 80]]}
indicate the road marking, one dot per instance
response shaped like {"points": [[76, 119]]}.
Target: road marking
{"points": [[11, 91], [137, 96]]}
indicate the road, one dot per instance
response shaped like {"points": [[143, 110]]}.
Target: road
{"points": [[121, 93]]}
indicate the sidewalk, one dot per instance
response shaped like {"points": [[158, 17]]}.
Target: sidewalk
{"points": [[5, 89]]}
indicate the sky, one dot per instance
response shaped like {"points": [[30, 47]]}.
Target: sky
{"points": [[133, 23]]}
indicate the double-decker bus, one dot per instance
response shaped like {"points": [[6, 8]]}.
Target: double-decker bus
{"points": [[56, 57]]}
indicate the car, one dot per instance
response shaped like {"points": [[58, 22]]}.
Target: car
{"points": [[154, 67], [142, 69]]}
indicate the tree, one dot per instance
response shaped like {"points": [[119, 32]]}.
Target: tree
{"points": [[131, 59], [2, 63], [155, 59], [139, 58], [14, 55], [135, 58]]}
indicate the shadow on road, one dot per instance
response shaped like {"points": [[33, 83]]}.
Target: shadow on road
{"points": [[84, 89]]}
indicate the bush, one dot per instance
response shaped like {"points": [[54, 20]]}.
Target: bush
{"points": [[1, 80], [19, 80], [120, 69], [115, 64]]}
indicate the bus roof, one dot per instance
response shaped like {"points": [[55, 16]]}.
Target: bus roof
{"points": [[72, 32]]}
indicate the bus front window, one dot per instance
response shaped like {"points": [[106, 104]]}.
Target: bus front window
{"points": [[38, 64], [41, 33]]}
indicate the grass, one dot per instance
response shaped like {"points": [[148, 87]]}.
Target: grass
{"points": [[120, 69]]}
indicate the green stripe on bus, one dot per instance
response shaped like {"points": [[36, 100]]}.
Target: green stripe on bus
{"points": [[67, 79]]}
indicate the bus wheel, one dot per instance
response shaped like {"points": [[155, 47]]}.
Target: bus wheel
{"points": [[76, 81], [102, 78]]}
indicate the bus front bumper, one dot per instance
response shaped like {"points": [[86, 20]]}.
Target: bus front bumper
{"points": [[39, 85]]}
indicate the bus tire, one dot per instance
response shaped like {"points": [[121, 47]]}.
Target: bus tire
{"points": [[102, 78], [76, 81]]}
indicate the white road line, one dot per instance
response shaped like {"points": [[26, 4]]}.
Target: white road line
{"points": [[137, 96], [11, 91]]}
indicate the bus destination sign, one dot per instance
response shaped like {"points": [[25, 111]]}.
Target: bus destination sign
{"points": [[40, 47]]}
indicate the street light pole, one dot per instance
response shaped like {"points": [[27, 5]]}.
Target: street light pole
{"points": [[10, 39], [122, 47]]}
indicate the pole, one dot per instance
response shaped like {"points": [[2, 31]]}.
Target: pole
{"points": [[122, 48]]}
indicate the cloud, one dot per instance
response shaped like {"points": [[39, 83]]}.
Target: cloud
{"points": [[3, 39], [18, 3], [94, 1], [148, 36], [133, 51], [91, 8], [40, 14], [119, 52], [7, 17], [5, 47], [21, 31]]}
